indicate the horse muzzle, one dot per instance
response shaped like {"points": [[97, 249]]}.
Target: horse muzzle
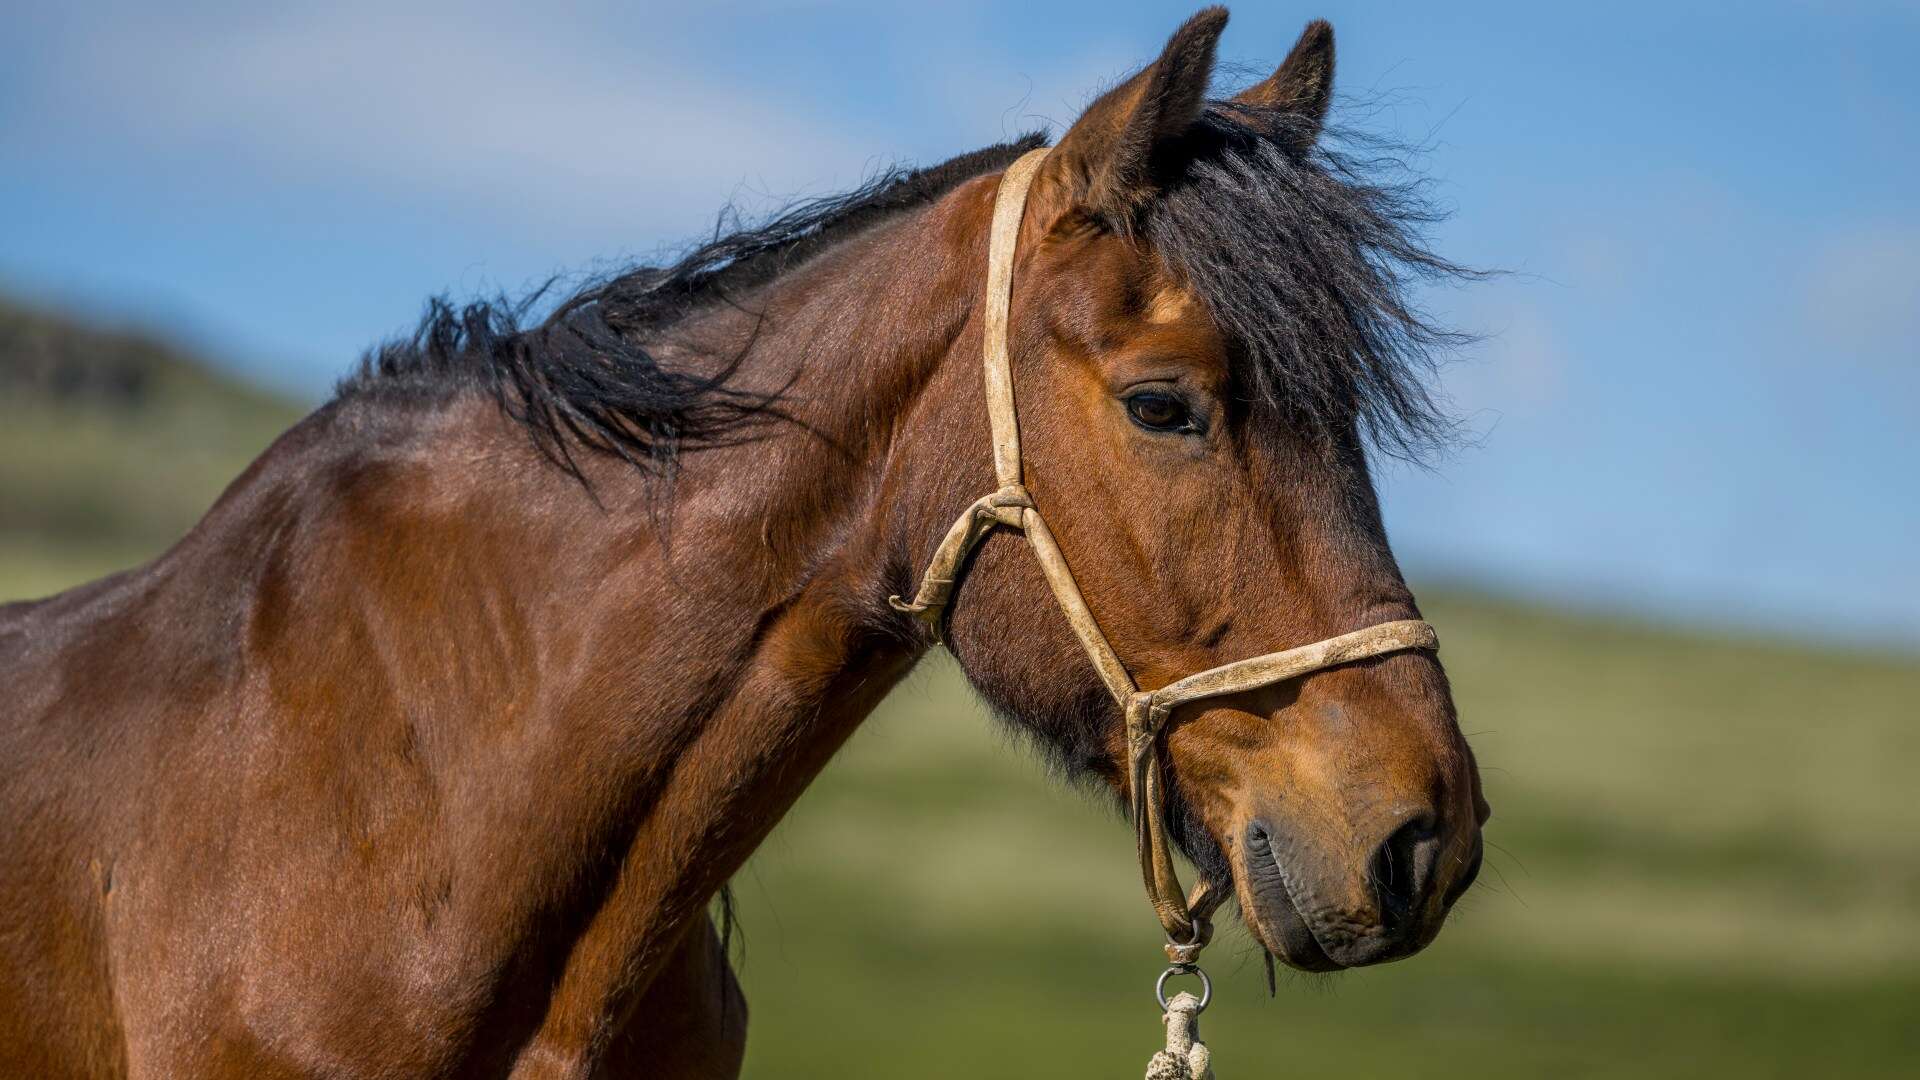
{"points": [[1324, 906]]}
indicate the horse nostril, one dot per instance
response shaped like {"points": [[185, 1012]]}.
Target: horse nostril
{"points": [[1460, 887], [1402, 870]]}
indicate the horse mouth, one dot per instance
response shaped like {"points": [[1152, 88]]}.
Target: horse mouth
{"points": [[1276, 919]]}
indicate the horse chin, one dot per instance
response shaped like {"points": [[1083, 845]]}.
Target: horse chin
{"points": [[1274, 918]]}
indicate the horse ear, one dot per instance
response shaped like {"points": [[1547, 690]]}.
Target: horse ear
{"points": [[1302, 85], [1102, 163]]}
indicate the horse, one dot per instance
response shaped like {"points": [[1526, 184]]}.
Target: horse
{"points": [[428, 750]]}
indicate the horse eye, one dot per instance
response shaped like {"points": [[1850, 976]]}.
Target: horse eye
{"points": [[1159, 412]]}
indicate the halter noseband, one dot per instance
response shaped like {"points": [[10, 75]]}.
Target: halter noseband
{"points": [[1184, 918]]}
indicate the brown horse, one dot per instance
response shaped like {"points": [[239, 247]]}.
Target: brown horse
{"points": [[425, 753]]}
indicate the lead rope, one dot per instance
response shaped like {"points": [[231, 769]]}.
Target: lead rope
{"points": [[1186, 1057], [1184, 917]]}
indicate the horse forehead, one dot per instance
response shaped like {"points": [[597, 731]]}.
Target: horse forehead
{"points": [[1171, 304], [1111, 294], [1172, 322]]}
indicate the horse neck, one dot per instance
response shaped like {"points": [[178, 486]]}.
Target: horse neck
{"points": [[751, 627], [854, 348]]}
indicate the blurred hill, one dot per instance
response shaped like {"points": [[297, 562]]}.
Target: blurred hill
{"points": [[112, 444], [1705, 852]]}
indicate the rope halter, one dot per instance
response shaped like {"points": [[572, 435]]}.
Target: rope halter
{"points": [[1183, 917]]}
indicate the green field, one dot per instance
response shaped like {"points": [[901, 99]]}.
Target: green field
{"points": [[1705, 862]]}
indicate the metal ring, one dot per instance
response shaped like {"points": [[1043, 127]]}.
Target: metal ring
{"points": [[1160, 986]]}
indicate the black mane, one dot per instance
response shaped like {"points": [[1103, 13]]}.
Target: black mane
{"points": [[583, 375], [1304, 258]]}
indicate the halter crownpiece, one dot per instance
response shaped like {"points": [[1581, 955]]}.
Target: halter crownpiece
{"points": [[1183, 917]]}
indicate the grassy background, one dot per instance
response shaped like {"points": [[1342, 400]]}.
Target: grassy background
{"points": [[1706, 851]]}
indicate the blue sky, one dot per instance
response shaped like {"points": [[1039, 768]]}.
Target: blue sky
{"points": [[1699, 397]]}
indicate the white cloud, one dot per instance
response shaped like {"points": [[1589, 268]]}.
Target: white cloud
{"points": [[629, 119], [506, 109]]}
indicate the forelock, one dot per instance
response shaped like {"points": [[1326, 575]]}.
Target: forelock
{"points": [[1308, 262]]}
